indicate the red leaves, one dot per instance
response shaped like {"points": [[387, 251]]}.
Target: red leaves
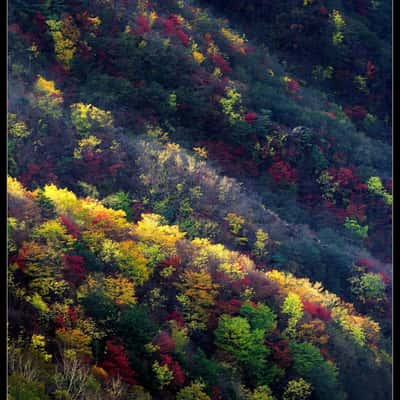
{"points": [[21, 257], [293, 85], [173, 261], [367, 263], [142, 25], [344, 176], [371, 69], [183, 37], [172, 24], [165, 343], [356, 112], [231, 307], [222, 64], [176, 316], [42, 172], [356, 210], [40, 21], [280, 353], [116, 363], [115, 167], [385, 277], [317, 311], [84, 51], [175, 368], [281, 171], [71, 227], [361, 7], [330, 114], [74, 271], [250, 117], [323, 11]]}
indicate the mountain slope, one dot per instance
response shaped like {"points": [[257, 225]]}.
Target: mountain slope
{"points": [[161, 108]]}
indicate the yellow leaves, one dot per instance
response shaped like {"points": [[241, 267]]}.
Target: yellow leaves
{"points": [[88, 213], [339, 23], [88, 143], [54, 234], [235, 222], [37, 302], [361, 328], [117, 288], [99, 372], [157, 133], [95, 22], [201, 151], [75, 339], [170, 150], [38, 342], [337, 19], [45, 86], [64, 201], [237, 41], [65, 35], [314, 332], [232, 104], [233, 270], [16, 129], [14, 188], [151, 230], [49, 98], [152, 16], [230, 262], [86, 117], [198, 56], [198, 293]]}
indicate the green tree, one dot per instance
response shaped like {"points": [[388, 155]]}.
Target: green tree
{"points": [[234, 335], [259, 316], [293, 307], [21, 389], [310, 365]]}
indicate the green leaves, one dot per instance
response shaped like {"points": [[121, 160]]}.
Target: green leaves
{"points": [[260, 316], [293, 307]]}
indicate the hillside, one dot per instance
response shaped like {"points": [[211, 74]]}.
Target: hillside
{"points": [[186, 177]]}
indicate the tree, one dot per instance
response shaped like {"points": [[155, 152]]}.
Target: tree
{"points": [[198, 294], [151, 229], [369, 287], [21, 389], [87, 117], [293, 307], [234, 335], [194, 391], [260, 316], [309, 364], [297, 389], [116, 363]]}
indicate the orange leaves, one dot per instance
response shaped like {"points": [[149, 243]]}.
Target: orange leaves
{"points": [[198, 294]]}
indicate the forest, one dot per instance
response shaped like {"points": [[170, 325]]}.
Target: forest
{"points": [[199, 200]]}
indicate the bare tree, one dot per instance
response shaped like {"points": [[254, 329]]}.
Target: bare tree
{"points": [[72, 378]]}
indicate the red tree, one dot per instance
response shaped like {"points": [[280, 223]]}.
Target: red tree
{"points": [[74, 271], [116, 363], [165, 343], [175, 368], [282, 171], [317, 311]]}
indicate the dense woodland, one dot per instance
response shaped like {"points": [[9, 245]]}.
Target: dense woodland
{"points": [[199, 200]]}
